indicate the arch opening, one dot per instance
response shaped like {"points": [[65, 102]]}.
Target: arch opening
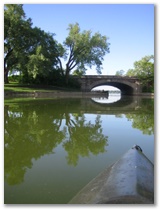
{"points": [[106, 88], [113, 95], [124, 89]]}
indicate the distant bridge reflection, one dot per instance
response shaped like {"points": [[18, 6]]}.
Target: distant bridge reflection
{"points": [[107, 100], [123, 104]]}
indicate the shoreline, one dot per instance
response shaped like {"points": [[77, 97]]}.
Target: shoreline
{"points": [[39, 94]]}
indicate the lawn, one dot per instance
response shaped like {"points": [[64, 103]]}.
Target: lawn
{"points": [[20, 88], [15, 87]]}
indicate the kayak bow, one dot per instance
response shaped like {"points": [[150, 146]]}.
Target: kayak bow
{"points": [[128, 181]]}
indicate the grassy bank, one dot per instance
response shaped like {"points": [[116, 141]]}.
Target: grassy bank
{"points": [[19, 88], [15, 90]]}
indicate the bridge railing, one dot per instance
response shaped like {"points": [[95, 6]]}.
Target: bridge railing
{"points": [[103, 77]]}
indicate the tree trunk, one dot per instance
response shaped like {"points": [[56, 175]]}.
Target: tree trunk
{"points": [[6, 75], [6, 70], [67, 76]]}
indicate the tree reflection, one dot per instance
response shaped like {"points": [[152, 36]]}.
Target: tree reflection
{"points": [[144, 118], [27, 136], [35, 129], [32, 131], [84, 138]]}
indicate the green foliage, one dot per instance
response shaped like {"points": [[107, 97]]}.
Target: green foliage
{"points": [[82, 49], [29, 50], [14, 78], [17, 31], [120, 72], [42, 59], [78, 72], [144, 70], [37, 55]]}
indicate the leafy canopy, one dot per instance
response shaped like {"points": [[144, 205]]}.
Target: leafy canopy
{"points": [[34, 52], [17, 33], [144, 70], [42, 58], [28, 50], [82, 49]]}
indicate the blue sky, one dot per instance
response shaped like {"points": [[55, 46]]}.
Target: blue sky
{"points": [[130, 28]]}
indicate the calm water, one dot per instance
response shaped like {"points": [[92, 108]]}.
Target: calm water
{"points": [[53, 147]]}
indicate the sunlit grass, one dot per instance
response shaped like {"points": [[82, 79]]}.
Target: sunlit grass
{"points": [[25, 89], [15, 87]]}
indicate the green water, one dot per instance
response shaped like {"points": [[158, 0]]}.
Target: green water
{"points": [[54, 147]]}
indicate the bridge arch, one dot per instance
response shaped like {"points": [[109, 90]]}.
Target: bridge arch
{"points": [[125, 87]]}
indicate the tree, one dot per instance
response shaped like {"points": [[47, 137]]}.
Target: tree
{"points": [[82, 49], [144, 70], [17, 31], [43, 57], [120, 72], [130, 73], [30, 51]]}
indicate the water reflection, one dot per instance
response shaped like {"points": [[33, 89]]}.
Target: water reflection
{"points": [[116, 103], [107, 100], [144, 120], [84, 137], [33, 131], [137, 110], [35, 128]]}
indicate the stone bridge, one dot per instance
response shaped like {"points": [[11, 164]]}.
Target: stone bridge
{"points": [[127, 85]]}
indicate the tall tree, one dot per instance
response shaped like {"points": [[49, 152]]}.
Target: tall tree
{"points": [[43, 57], [17, 31], [82, 49], [144, 70], [29, 50]]}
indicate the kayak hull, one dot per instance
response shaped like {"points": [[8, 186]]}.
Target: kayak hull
{"points": [[128, 181]]}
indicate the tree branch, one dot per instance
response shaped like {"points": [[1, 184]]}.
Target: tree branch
{"points": [[72, 59], [61, 68], [7, 55], [73, 66], [71, 54], [71, 63]]}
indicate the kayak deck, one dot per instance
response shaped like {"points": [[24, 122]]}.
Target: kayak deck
{"points": [[128, 181]]}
